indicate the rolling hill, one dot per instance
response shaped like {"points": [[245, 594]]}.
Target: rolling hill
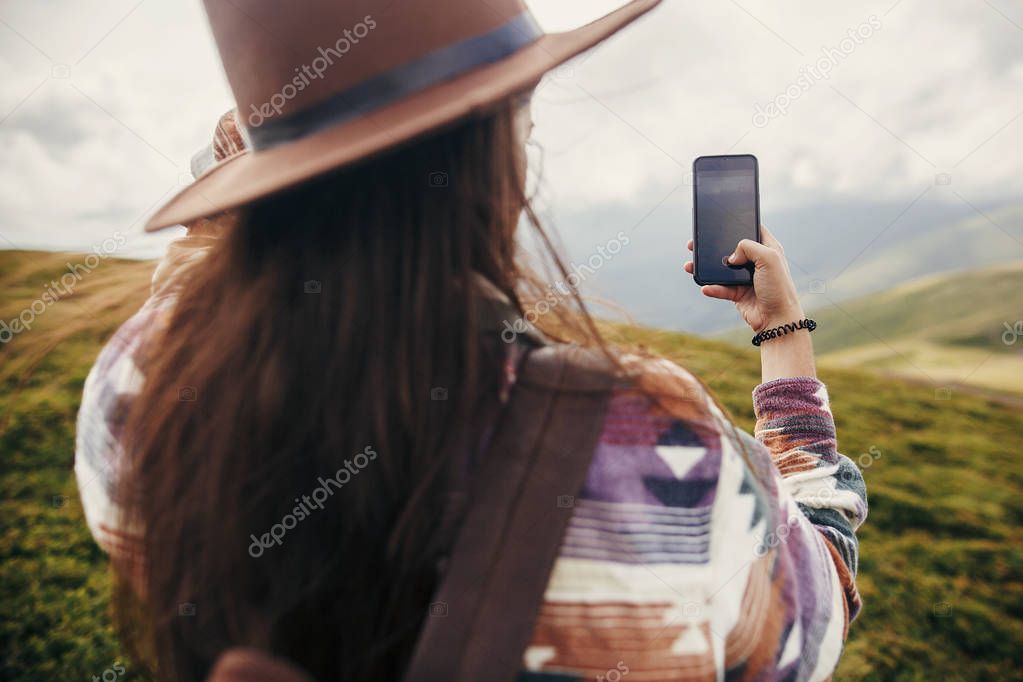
{"points": [[958, 329], [962, 309], [941, 567]]}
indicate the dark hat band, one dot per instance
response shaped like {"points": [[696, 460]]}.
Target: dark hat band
{"points": [[388, 87]]}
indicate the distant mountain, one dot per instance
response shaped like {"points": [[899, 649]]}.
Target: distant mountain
{"points": [[837, 251]]}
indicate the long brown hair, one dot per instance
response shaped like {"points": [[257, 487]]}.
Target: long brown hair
{"points": [[334, 332]]}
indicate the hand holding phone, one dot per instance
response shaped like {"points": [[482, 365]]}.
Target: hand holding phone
{"points": [[772, 300], [733, 257]]}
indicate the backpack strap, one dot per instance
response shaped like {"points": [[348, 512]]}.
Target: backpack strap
{"points": [[521, 500]]}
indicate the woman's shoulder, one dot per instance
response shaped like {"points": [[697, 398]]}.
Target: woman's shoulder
{"points": [[112, 384], [649, 396], [661, 439]]}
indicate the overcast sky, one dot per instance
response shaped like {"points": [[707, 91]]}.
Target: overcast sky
{"points": [[103, 104]]}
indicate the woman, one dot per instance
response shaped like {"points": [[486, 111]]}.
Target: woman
{"points": [[283, 449]]}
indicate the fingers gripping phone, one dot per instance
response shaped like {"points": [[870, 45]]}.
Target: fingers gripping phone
{"points": [[726, 210]]}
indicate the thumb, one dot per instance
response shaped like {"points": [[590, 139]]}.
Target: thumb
{"points": [[749, 251]]}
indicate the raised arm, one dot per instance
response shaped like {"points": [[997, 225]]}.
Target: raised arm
{"points": [[816, 497]]}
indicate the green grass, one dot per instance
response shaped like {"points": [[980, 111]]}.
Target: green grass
{"points": [[53, 578], [941, 566]]}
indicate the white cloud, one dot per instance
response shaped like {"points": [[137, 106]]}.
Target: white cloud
{"points": [[88, 154], [935, 79]]}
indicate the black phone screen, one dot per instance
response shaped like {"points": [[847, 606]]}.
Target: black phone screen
{"points": [[725, 211]]}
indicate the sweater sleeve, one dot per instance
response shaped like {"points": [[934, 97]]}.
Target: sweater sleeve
{"points": [[794, 422], [800, 593]]}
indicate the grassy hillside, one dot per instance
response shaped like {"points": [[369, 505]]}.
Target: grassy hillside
{"points": [[53, 579], [941, 569], [964, 309], [946, 330]]}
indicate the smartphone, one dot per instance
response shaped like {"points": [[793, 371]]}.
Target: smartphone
{"points": [[726, 210]]}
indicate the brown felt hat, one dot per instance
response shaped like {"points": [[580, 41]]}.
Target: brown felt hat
{"points": [[325, 83]]}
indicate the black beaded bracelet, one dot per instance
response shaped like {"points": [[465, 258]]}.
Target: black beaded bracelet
{"points": [[807, 324]]}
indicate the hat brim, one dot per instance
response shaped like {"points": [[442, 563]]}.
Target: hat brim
{"points": [[252, 175]]}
